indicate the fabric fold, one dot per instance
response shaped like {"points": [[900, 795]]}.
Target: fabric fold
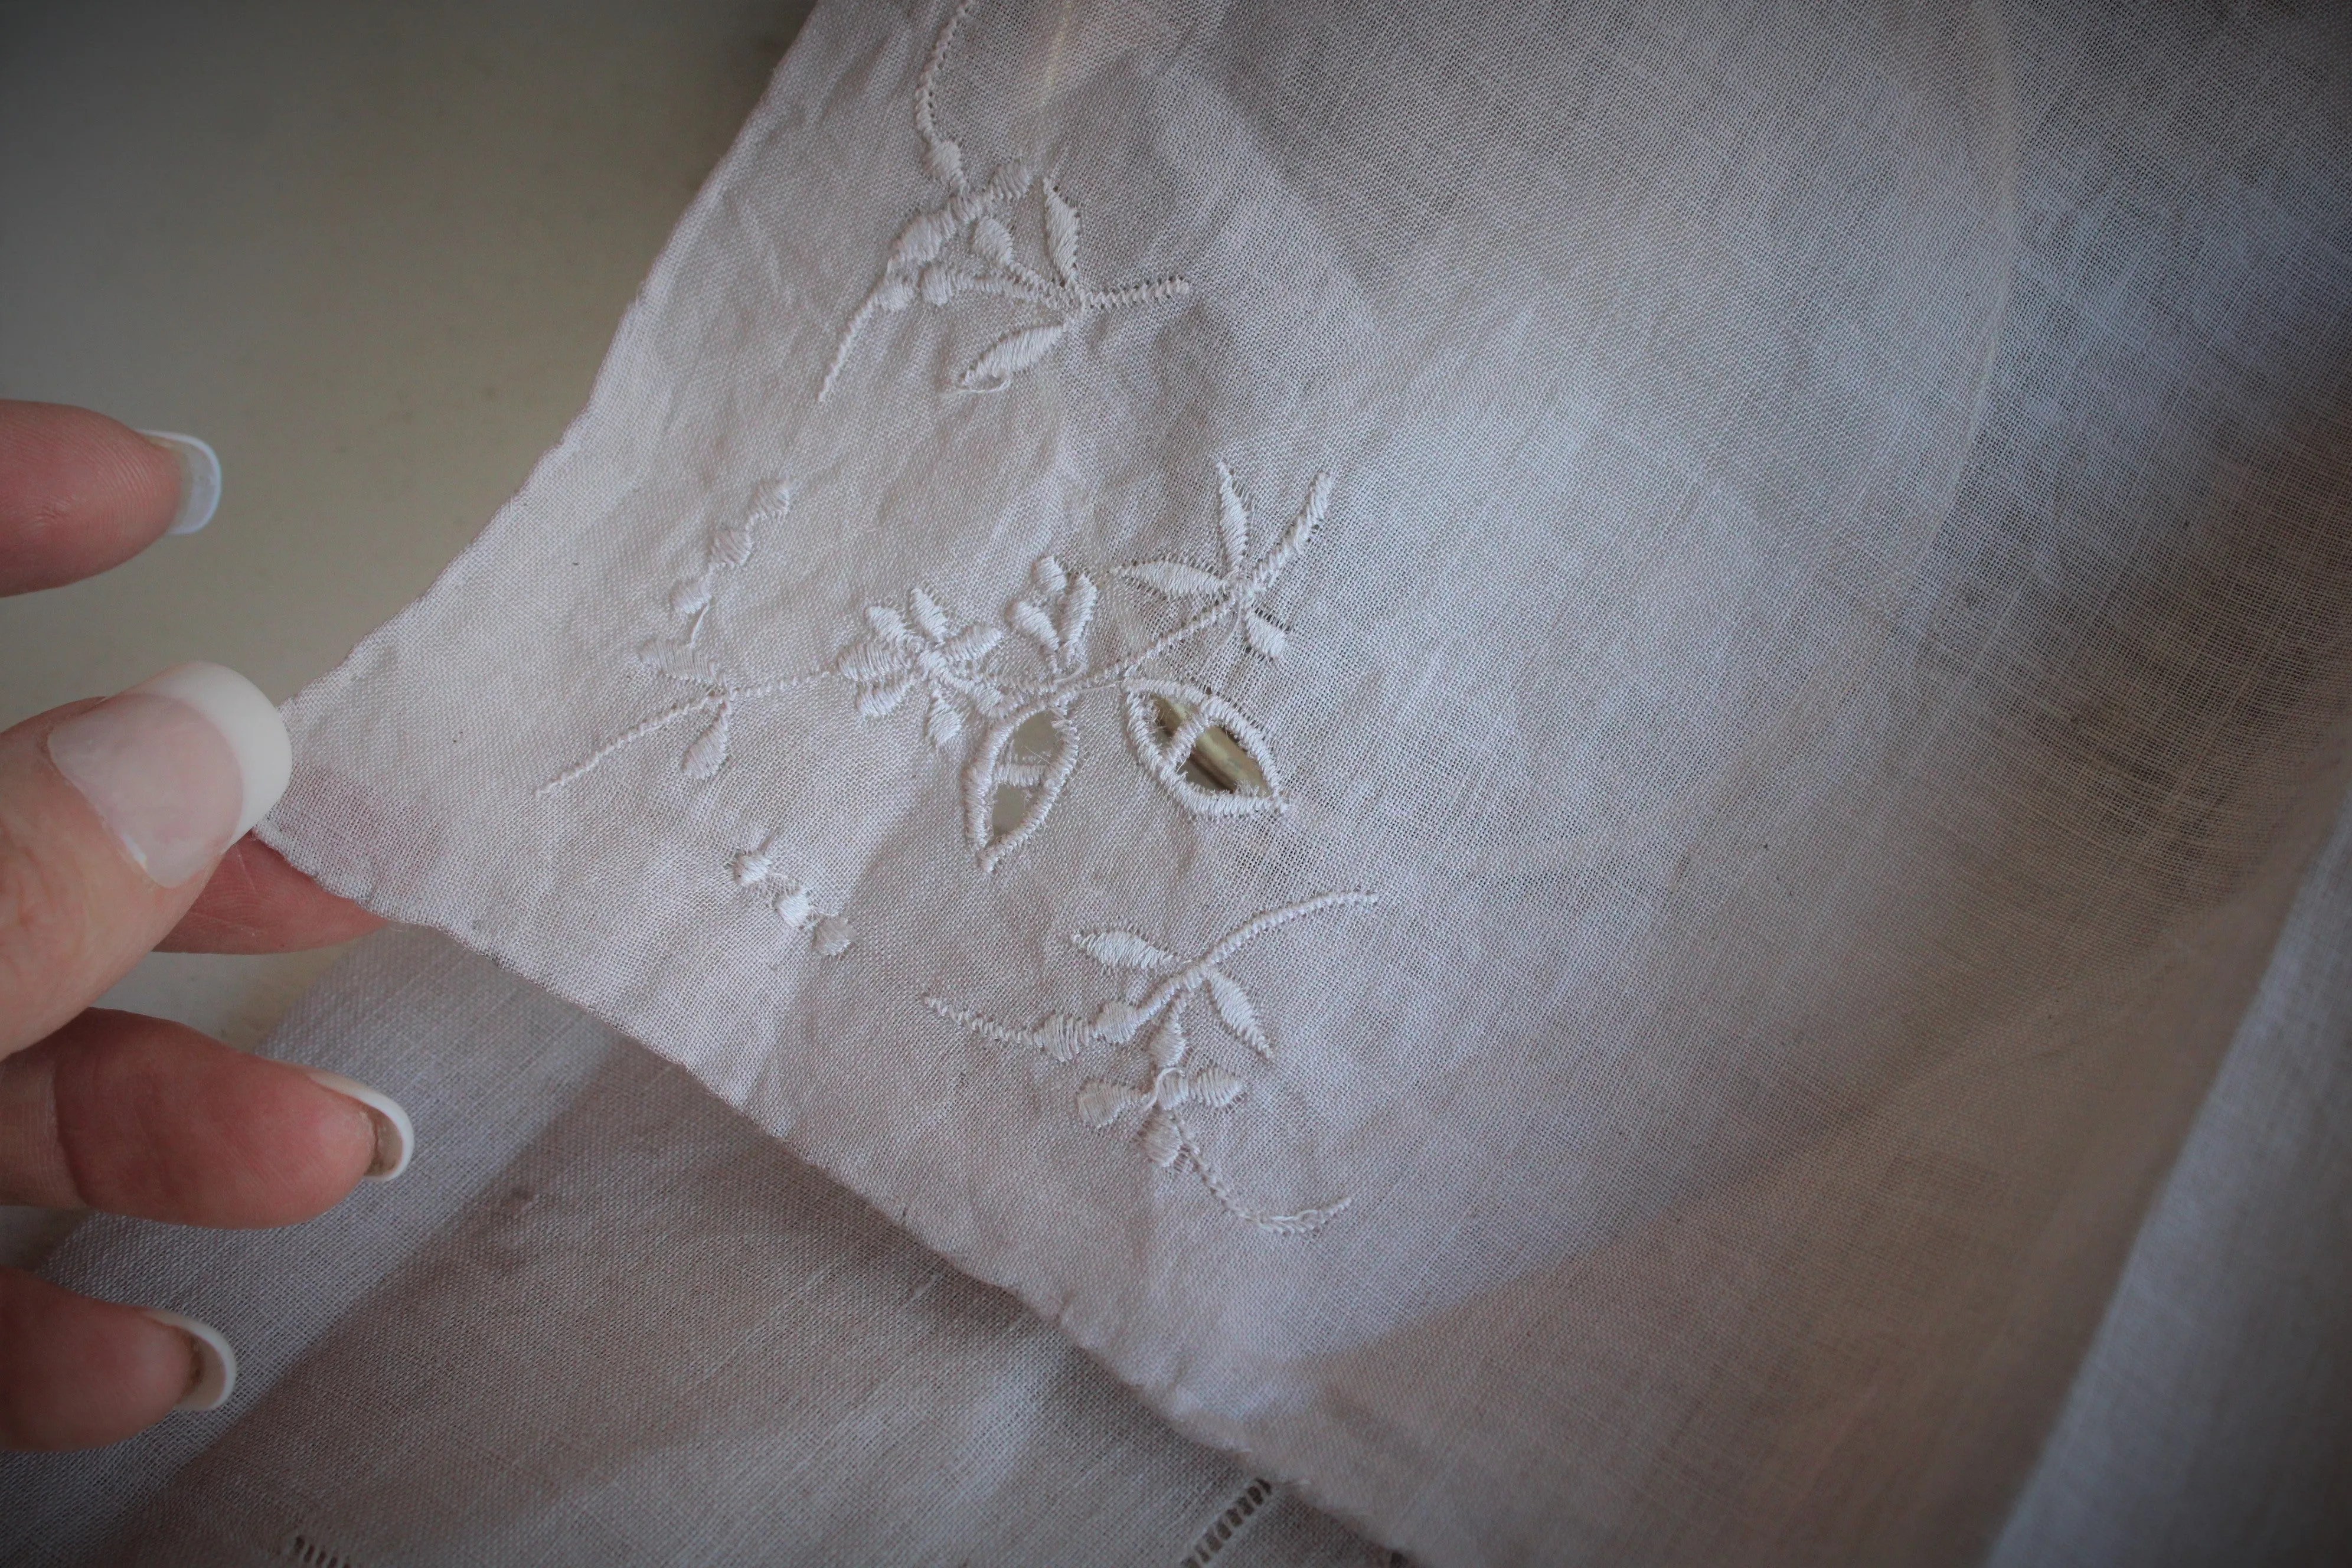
{"points": [[605, 1319], [1537, 754]]}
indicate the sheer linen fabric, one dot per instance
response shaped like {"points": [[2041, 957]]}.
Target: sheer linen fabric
{"points": [[413, 1391], [610, 1321], [2211, 1420], [1771, 589]]}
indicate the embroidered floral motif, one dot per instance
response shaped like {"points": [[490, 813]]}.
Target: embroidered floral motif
{"points": [[1020, 726], [924, 649], [1171, 1078], [958, 668], [679, 655], [963, 246], [794, 904]]}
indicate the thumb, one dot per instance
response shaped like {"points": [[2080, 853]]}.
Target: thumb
{"points": [[110, 816]]}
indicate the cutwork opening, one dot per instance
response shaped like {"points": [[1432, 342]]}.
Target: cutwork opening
{"points": [[1218, 763], [1033, 746], [1219, 1535]]}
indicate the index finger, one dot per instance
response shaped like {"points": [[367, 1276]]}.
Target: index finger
{"points": [[80, 492]]}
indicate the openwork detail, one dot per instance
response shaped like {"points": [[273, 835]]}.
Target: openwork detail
{"points": [[967, 246], [1230, 1524], [1026, 738], [794, 904], [1015, 717], [1172, 1082]]}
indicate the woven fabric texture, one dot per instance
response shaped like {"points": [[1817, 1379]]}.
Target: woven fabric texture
{"points": [[610, 1321], [2212, 1421], [1537, 751]]}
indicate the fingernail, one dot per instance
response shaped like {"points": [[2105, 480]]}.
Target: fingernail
{"points": [[212, 1377], [200, 478], [395, 1135], [178, 766]]}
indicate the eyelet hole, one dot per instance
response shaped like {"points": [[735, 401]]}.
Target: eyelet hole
{"points": [[1218, 763], [1032, 745]]}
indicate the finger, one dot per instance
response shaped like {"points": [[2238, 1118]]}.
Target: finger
{"points": [[75, 1373], [110, 817], [142, 1117], [80, 492], [256, 902]]}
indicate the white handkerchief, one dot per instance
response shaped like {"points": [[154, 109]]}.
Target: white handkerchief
{"points": [[1537, 751], [606, 1322]]}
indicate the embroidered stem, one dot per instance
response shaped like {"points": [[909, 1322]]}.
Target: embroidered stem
{"points": [[719, 700], [1305, 1222], [1174, 1076], [961, 247], [629, 737], [926, 88], [1151, 291], [1195, 974], [986, 1028], [1070, 301], [1274, 920], [863, 314]]}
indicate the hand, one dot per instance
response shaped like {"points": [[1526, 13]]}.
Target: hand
{"points": [[120, 830]]}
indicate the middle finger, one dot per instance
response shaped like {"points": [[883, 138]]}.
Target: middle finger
{"points": [[142, 1117]]}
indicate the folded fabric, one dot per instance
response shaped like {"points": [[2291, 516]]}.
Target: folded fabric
{"points": [[608, 1321], [600, 1323], [1537, 753], [2211, 1420]]}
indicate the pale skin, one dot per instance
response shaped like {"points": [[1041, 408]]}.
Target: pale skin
{"points": [[110, 1110]]}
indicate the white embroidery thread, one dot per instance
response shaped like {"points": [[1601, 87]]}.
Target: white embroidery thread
{"points": [[1171, 1079], [961, 247], [679, 655], [794, 902], [957, 669]]}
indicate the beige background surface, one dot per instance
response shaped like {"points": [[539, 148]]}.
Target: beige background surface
{"points": [[372, 252]]}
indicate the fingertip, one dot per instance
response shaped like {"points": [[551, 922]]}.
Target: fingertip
{"points": [[78, 493], [76, 1373], [173, 767], [248, 724], [153, 1120], [322, 1142], [396, 1135], [212, 1361], [112, 815]]}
